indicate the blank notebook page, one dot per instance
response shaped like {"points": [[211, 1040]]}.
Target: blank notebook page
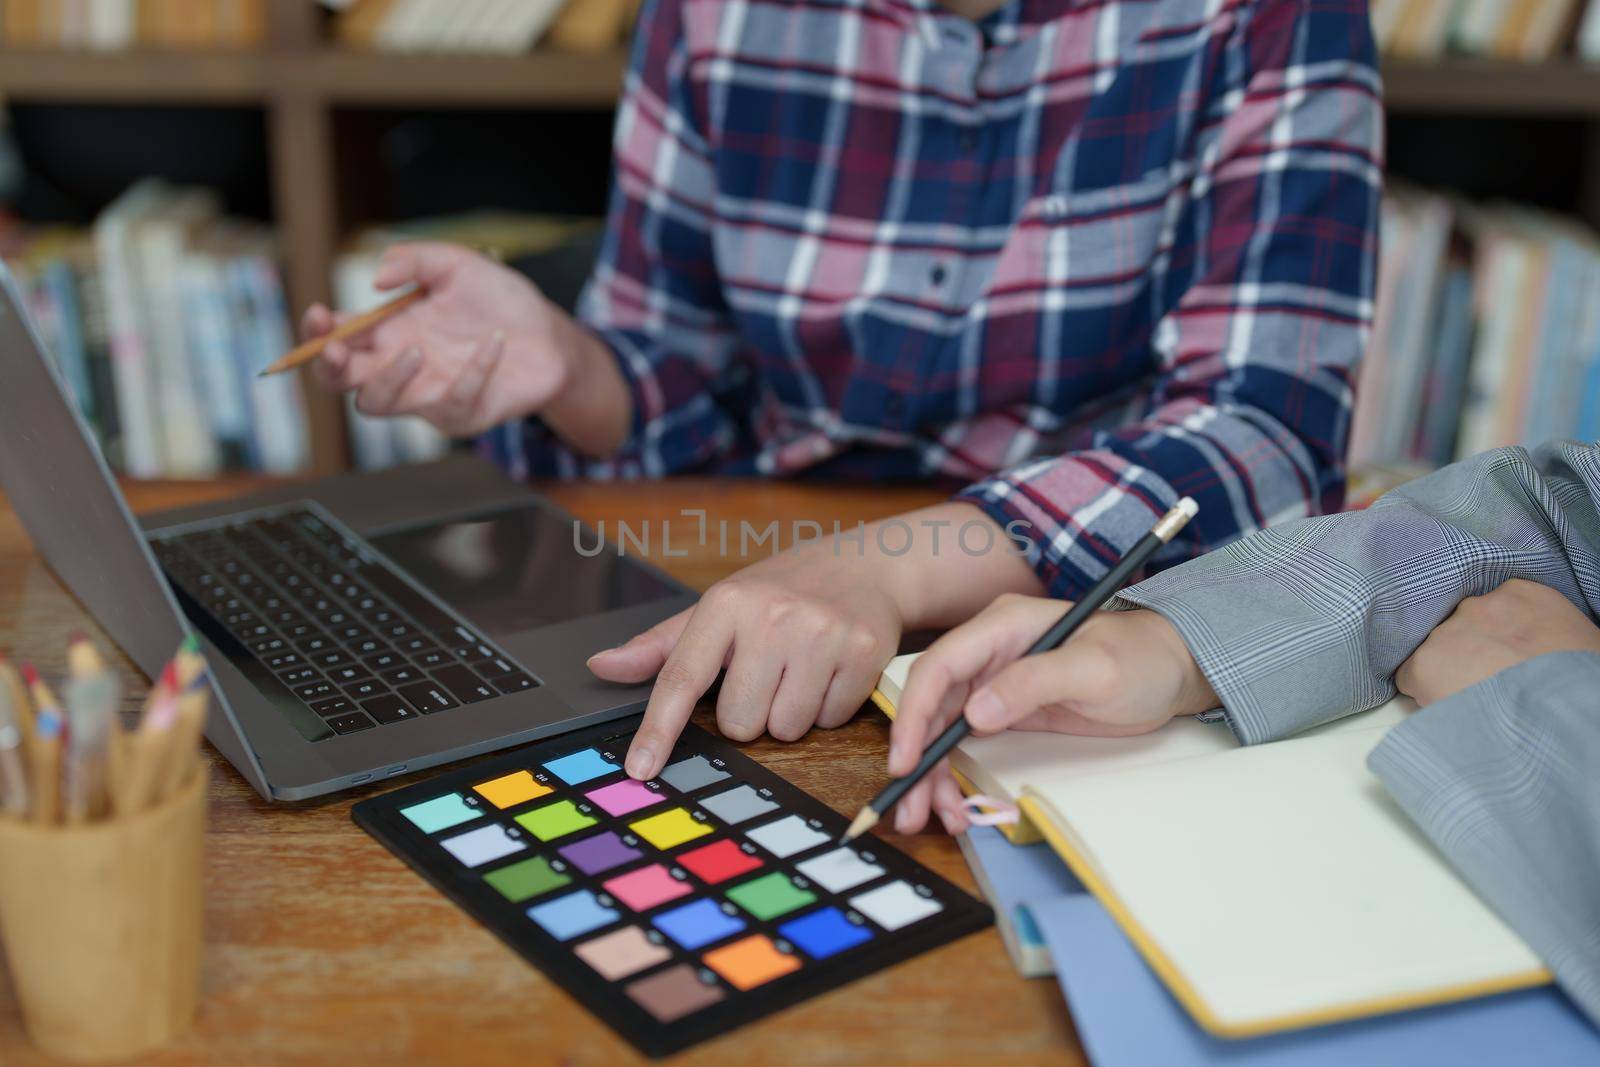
{"points": [[1280, 880]]}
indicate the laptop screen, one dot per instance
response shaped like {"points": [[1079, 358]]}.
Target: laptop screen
{"points": [[59, 485]]}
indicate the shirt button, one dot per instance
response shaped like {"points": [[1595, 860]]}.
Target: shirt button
{"points": [[937, 274]]}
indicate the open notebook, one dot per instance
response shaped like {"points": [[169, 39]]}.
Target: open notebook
{"points": [[1271, 887]]}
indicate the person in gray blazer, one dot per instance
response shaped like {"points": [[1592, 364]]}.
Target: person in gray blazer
{"points": [[1474, 590]]}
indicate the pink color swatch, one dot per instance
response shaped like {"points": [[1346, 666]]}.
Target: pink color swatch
{"points": [[645, 888], [625, 796]]}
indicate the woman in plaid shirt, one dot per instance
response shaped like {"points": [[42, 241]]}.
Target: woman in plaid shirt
{"points": [[1084, 257]]}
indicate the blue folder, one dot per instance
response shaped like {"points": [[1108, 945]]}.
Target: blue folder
{"points": [[1126, 1018]]}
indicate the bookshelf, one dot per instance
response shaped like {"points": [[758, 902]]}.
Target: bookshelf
{"points": [[300, 80]]}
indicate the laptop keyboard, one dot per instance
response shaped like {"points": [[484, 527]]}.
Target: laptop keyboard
{"points": [[338, 629]]}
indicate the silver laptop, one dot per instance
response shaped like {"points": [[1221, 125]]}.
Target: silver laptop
{"points": [[356, 627]]}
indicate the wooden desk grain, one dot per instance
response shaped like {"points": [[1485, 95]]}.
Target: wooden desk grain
{"points": [[322, 948]]}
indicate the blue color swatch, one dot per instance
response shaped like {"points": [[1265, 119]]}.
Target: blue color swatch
{"points": [[696, 924], [824, 933], [576, 913], [580, 767]]}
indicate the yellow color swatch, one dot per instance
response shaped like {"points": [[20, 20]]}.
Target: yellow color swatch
{"points": [[518, 787], [669, 829]]}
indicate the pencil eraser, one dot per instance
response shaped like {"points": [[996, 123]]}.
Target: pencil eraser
{"points": [[1189, 508]]}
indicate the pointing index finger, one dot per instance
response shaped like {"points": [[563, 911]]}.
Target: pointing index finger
{"points": [[681, 682]]}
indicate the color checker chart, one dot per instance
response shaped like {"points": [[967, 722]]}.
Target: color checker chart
{"points": [[674, 909]]}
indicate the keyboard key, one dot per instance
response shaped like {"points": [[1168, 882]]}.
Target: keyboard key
{"points": [[352, 632], [283, 661], [316, 691], [382, 617], [437, 657], [313, 645], [498, 666], [299, 676], [429, 698], [403, 676], [463, 684], [369, 688], [351, 723], [396, 631], [416, 645], [384, 661], [350, 674], [369, 647], [472, 653], [388, 708], [333, 706], [337, 657], [268, 647], [237, 620], [513, 683]]}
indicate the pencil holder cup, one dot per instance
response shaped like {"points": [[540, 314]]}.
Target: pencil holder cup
{"points": [[101, 926]]}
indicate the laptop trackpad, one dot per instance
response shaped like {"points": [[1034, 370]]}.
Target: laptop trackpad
{"points": [[519, 569]]}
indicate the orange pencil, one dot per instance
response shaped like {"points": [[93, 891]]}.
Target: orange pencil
{"points": [[365, 321]]}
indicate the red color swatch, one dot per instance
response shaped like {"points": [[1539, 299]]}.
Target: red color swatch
{"points": [[718, 862]]}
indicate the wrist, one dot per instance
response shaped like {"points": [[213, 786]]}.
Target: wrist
{"points": [[592, 408], [958, 560], [1194, 692]]}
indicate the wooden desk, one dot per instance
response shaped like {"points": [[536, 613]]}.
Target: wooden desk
{"points": [[322, 948]]}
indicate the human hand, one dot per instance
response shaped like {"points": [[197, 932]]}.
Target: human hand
{"points": [[803, 635], [1122, 673], [482, 348], [1486, 634]]}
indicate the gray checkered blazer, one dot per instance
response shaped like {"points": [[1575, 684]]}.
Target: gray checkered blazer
{"points": [[1308, 621]]}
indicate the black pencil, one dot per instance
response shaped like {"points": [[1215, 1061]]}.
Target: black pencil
{"points": [[1165, 529]]}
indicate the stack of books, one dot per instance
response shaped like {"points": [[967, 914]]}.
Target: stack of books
{"points": [[1516, 30], [120, 24], [159, 318], [1487, 332], [485, 25], [377, 443]]}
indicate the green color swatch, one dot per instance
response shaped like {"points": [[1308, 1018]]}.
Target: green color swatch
{"points": [[554, 820], [441, 813], [527, 879], [770, 895]]}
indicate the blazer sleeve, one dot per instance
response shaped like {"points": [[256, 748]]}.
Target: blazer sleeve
{"points": [[1305, 622], [1502, 778]]}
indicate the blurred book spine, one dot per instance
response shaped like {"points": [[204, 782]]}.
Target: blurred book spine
{"points": [[159, 317], [1526, 31], [1487, 333], [506, 27], [112, 25], [376, 443]]}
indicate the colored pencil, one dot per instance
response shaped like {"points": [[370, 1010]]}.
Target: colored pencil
{"points": [[13, 759], [360, 323], [44, 755], [1165, 529]]}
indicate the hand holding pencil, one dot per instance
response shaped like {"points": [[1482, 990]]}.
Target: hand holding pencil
{"points": [[1034, 663], [470, 345]]}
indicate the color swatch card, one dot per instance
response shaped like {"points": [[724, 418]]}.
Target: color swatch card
{"points": [[674, 909]]}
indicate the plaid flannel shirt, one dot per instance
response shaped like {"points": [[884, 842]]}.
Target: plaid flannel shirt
{"points": [[1089, 255]]}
